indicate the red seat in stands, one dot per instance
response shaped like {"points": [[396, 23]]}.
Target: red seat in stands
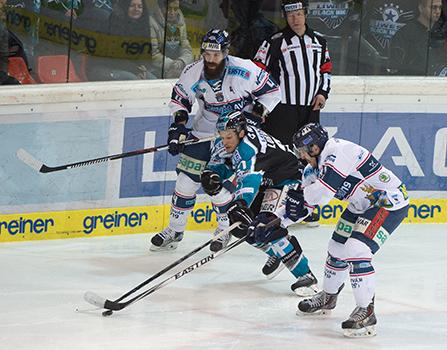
{"points": [[18, 69], [53, 69]]}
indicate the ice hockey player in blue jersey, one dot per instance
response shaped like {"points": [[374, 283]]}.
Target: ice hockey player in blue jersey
{"points": [[219, 83], [377, 204], [261, 169]]}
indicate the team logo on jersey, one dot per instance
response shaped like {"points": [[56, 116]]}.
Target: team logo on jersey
{"points": [[331, 13], [388, 20], [384, 177], [219, 97], [377, 198]]}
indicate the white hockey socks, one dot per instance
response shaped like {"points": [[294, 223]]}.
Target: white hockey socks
{"points": [[363, 281], [183, 201], [335, 274]]}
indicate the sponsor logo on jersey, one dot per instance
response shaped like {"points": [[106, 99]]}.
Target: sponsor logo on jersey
{"points": [[384, 177], [196, 87], [238, 71], [190, 165], [224, 108]]}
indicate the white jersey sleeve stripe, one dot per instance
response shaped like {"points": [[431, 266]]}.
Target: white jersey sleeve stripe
{"points": [[327, 185], [336, 170]]}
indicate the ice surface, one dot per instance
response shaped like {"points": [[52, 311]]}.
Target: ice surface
{"points": [[226, 304]]}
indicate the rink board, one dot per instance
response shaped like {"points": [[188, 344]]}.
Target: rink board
{"points": [[403, 122], [97, 222], [134, 220]]}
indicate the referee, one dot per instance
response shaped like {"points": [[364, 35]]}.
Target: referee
{"points": [[298, 58]]}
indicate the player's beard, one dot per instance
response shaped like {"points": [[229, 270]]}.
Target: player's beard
{"points": [[214, 70]]}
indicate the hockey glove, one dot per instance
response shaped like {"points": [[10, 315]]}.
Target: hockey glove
{"points": [[238, 211], [258, 231], [259, 109], [295, 209], [253, 120], [177, 133], [211, 182]]}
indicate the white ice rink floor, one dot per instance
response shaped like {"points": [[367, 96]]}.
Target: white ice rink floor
{"points": [[226, 304]]}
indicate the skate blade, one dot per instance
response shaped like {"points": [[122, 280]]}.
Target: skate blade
{"points": [[365, 332], [313, 224], [166, 248], [307, 291], [276, 272], [316, 313]]}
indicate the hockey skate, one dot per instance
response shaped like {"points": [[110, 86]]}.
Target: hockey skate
{"points": [[306, 285], [320, 304], [361, 323], [272, 267], [166, 240], [221, 242]]}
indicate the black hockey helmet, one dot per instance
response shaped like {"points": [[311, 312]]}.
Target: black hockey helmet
{"points": [[294, 5], [234, 120], [310, 134], [216, 40]]}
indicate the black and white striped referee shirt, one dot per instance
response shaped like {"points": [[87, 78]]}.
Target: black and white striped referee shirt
{"points": [[301, 65]]}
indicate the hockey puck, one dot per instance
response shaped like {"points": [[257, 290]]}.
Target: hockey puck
{"points": [[107, 313]]}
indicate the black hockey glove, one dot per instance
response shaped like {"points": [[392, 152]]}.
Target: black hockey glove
{"points": [[258, 233], [177, 133], [295, 209], [259, 109], [211, 182], [238, 211]]}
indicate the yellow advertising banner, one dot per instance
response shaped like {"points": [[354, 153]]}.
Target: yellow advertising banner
{"points": [[97, 222], [150, 219]]}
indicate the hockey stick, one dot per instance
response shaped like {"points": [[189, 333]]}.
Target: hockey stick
{"points": [[111, 306], [36, 164], [177, 262]]}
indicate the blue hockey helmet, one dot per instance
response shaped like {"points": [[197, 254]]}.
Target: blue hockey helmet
{"points": [[310, 134], [233, 120], [216, 40]]}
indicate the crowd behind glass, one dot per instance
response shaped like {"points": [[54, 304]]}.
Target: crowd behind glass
{"points": [[45, 41]]}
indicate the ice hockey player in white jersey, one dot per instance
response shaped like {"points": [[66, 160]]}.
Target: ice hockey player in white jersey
{"points": [[377, 204], [261, 170], [218, 83]]}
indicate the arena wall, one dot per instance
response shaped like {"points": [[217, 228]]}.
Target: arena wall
{"points": [[402, 120]]}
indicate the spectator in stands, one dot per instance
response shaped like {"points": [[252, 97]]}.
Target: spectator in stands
{"points": [[5, 79], [67, 7], [439, 30], [247, 25], [175, 46], [95, 15], [412, 44], [130, 18]]}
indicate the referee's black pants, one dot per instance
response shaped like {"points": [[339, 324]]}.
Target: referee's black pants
{"points": [[286, 120]]}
